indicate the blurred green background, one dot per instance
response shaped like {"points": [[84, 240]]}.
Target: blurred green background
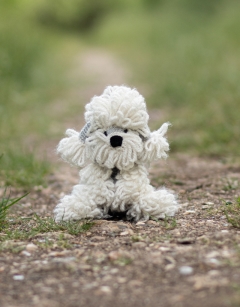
{"points": [[185, 53]]}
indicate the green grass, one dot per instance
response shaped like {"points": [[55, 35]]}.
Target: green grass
{"points": [[28, 228], [5, 204], [23, 169], [34, 70], [232, 212], [22, 50], [185, 57], [122, 261], [231, 184], [60, 242], [168, 222]]}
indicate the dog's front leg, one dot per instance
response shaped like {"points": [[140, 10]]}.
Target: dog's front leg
{"points": [[89, 199], [142, 201], [156, 147]]}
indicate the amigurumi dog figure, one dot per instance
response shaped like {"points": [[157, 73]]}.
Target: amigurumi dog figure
{"points": [[113, 150]]}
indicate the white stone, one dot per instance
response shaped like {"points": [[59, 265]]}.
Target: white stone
{"points": [[185, 270], [31, 247], [64, 260], [213, 261], [25, 253], [105, 289], [18, 277], [140, 223]]}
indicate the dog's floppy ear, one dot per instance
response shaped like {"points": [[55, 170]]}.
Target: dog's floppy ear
{"points": [[156, 146], [72, 148], [84, 132]]}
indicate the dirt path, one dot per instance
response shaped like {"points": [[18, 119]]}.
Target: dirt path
{"points": [[192, 260]]}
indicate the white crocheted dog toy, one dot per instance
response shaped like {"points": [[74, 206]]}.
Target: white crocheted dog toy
{"points": [[113, 150]]}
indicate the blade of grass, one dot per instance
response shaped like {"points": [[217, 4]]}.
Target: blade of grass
{"points": [[5, 204], [232, 212]]}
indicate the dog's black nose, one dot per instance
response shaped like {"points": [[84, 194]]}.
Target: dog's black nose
{"points": [[116, 141]]}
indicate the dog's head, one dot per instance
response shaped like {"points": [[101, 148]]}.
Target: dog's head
{"points": [[117, 124], [118, 106], [116, 133]]}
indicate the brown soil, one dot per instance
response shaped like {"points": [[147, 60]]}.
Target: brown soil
{"points": [[192, 260]]}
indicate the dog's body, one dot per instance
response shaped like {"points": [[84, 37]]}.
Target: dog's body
{"points": [[114, 149]]}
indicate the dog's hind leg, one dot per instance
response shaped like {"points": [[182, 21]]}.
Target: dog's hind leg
{"points": [[84, 202], [159, 203], [155, 203]]}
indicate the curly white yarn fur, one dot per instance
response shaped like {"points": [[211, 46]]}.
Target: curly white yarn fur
{"points": [[119, 112]]}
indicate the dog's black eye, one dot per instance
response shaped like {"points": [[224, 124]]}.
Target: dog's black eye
{"points": [[125, 130], [105, 132]]}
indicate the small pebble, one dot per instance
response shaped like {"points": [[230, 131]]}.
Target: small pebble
{"points": [[105, 290], [114, 255], [122, 280], [65, 260], [58, 253], [212, 254], [25, 253], [185, 270], [213, 261], [205, 207], [114, 271], [42, 240], [189, 212], [127, 232], [31, 247], [182, 192], [27, 205], [164, 248], [91, 285], [153, 223], [18, 277]]}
